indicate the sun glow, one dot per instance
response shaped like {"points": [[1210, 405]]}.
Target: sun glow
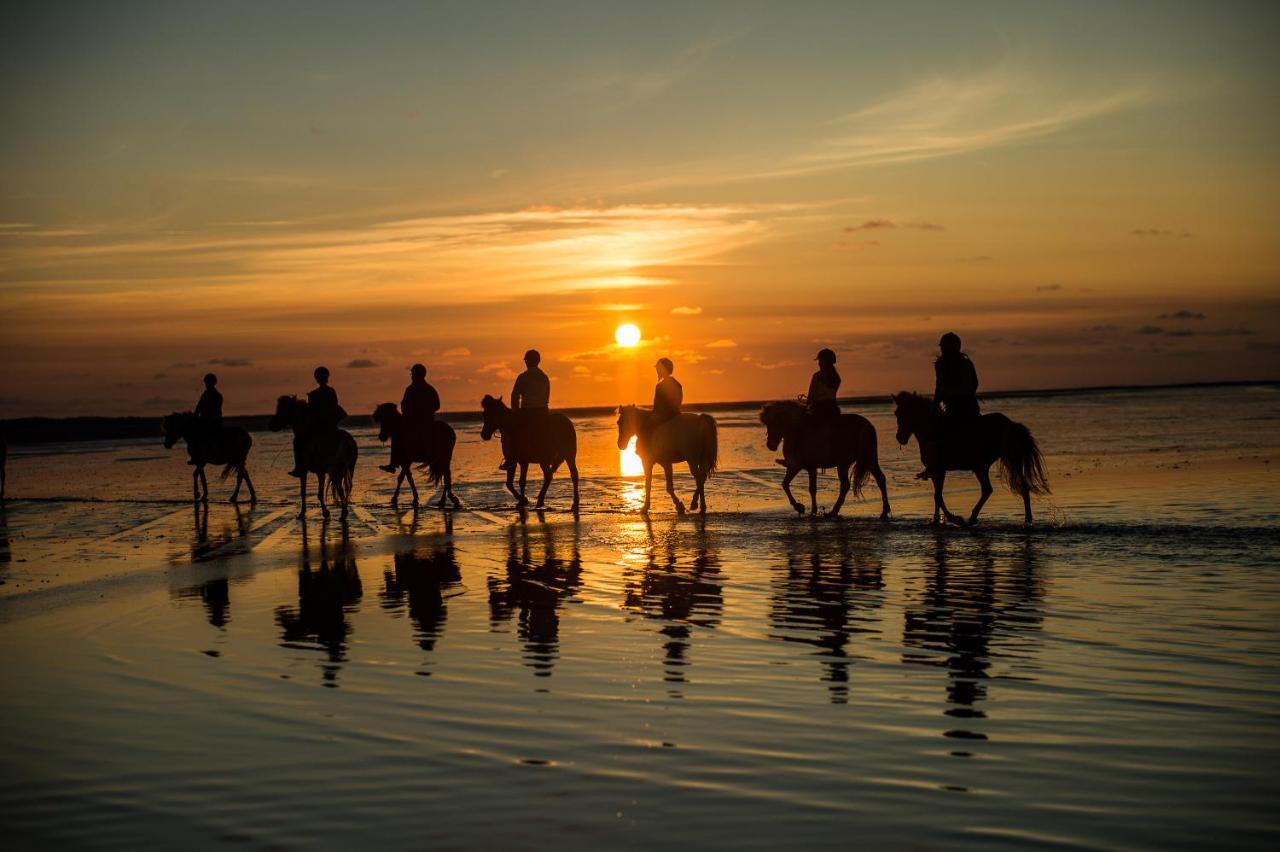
{"points": [[628, 462], [627, 334]]}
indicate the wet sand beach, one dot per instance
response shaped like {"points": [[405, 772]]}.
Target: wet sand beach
{"points": [[1106, 679]]}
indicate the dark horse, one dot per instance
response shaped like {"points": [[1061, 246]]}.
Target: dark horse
{"points": [[688, 438], [229, 447], [542, 439], [851, 442], [438, 461], [990, 438], [331, 455]]}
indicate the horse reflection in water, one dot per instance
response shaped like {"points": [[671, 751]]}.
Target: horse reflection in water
{"points": [[214, 593], [828, 594], [420, 581], [679, 586], [975, 603], [327, 594], [533, 589]]}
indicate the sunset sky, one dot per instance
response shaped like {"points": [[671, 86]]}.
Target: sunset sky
{"points": [[1089, 193]]}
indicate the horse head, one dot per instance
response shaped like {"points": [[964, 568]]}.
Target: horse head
{"points": [[778, 418], [175, 427], [628, 424], [493, 409], [387, 417], [286, 407], [910, 409]]}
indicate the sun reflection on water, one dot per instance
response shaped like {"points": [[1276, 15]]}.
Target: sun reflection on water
{"points": [[628, 462]]}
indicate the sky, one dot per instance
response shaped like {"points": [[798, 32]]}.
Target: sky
{"points": [[1087, 193]]}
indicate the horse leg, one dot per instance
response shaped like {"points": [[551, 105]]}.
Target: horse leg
{"points": [[524, 478], [813, 490], [253, 494], [195, 484], [204, 485], [696, 497], [786, 489], [844, 491], [1026, 506], [235, 493], [395, 495], [546, 483], [671, 488], [648, 485], [413, 486], [884, 491], [448, 484], [511, 477], [324, 509], [984, 482], [939, 504], [700, 475], [302, 495], [572, 464]]}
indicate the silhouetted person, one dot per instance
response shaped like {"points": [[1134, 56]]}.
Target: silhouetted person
{"points": [[325, 414], [955, 390], [668, 395], [823, 387], [208, 414], [419, 407], [956, 380], [530, 397]]}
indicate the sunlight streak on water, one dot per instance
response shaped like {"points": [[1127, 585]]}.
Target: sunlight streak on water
{"points": [[629, 463]]}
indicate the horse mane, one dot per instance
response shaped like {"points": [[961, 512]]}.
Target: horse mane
{"points": [[384, 410], [491, 402], [780, 405], [289, 397], [917, 399]]}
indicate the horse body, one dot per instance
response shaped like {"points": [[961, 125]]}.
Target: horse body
{"points": [[989, 439], [329, 455], [809, 443], [689, 438], [437, 457], [547, 440], [229, 447]]}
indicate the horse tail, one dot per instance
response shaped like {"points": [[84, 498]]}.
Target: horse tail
{"points": [[240, 455], [441, 453], [866, 457], [340, 481], [710, 444], [1022, 462]]}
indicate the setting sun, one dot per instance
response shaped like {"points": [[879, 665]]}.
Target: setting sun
{"points": [[627, 334]]}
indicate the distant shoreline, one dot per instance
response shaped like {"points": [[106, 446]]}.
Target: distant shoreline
{"points": [[50, 430]]}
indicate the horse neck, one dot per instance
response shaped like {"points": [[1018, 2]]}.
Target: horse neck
{"points": [[643, 421]]}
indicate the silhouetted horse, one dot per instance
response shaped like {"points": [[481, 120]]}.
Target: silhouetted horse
{"points": [[546, 440], [688, 438], [229, 446], [437, 459], [326, 454], [809, 443], [975, 447]]}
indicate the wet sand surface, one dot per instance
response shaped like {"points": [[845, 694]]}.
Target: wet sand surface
{"points": [[1108, 678]]}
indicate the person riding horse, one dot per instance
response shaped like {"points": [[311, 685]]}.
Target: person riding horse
{"points": [[419, 406], [821, 398], [530, 398], [325, 414], [955, 391], [668, 394], [208, 417]]}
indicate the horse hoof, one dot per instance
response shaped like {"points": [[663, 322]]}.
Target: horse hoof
{"points": [[833, 514]]}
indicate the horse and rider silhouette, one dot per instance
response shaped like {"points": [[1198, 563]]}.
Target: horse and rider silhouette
{"points": [[813, 434]]}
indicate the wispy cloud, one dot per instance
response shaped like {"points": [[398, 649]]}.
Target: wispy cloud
{"points": [[625, 87], [1159, 232], [686, 311]]}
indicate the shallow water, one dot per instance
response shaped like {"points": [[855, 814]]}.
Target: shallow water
{"points": [[1108, 678]]}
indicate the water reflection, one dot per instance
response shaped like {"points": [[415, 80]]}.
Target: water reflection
{"points": [[215, 593], [970, 597], [829, 592], [679, 584], [533, 587], [327, 594], [420, 581]]}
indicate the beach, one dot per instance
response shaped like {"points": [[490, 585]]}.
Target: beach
{"points": [[1107, 678]]}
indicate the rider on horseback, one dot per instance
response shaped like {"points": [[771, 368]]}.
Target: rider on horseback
{"points": [[668, 395], [823, 386], [530, 398], [955, 392], [208, 416], [325, 414], [419, 407]]}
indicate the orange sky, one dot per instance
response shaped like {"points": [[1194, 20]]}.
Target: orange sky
{"points": [[1087, 196]]}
